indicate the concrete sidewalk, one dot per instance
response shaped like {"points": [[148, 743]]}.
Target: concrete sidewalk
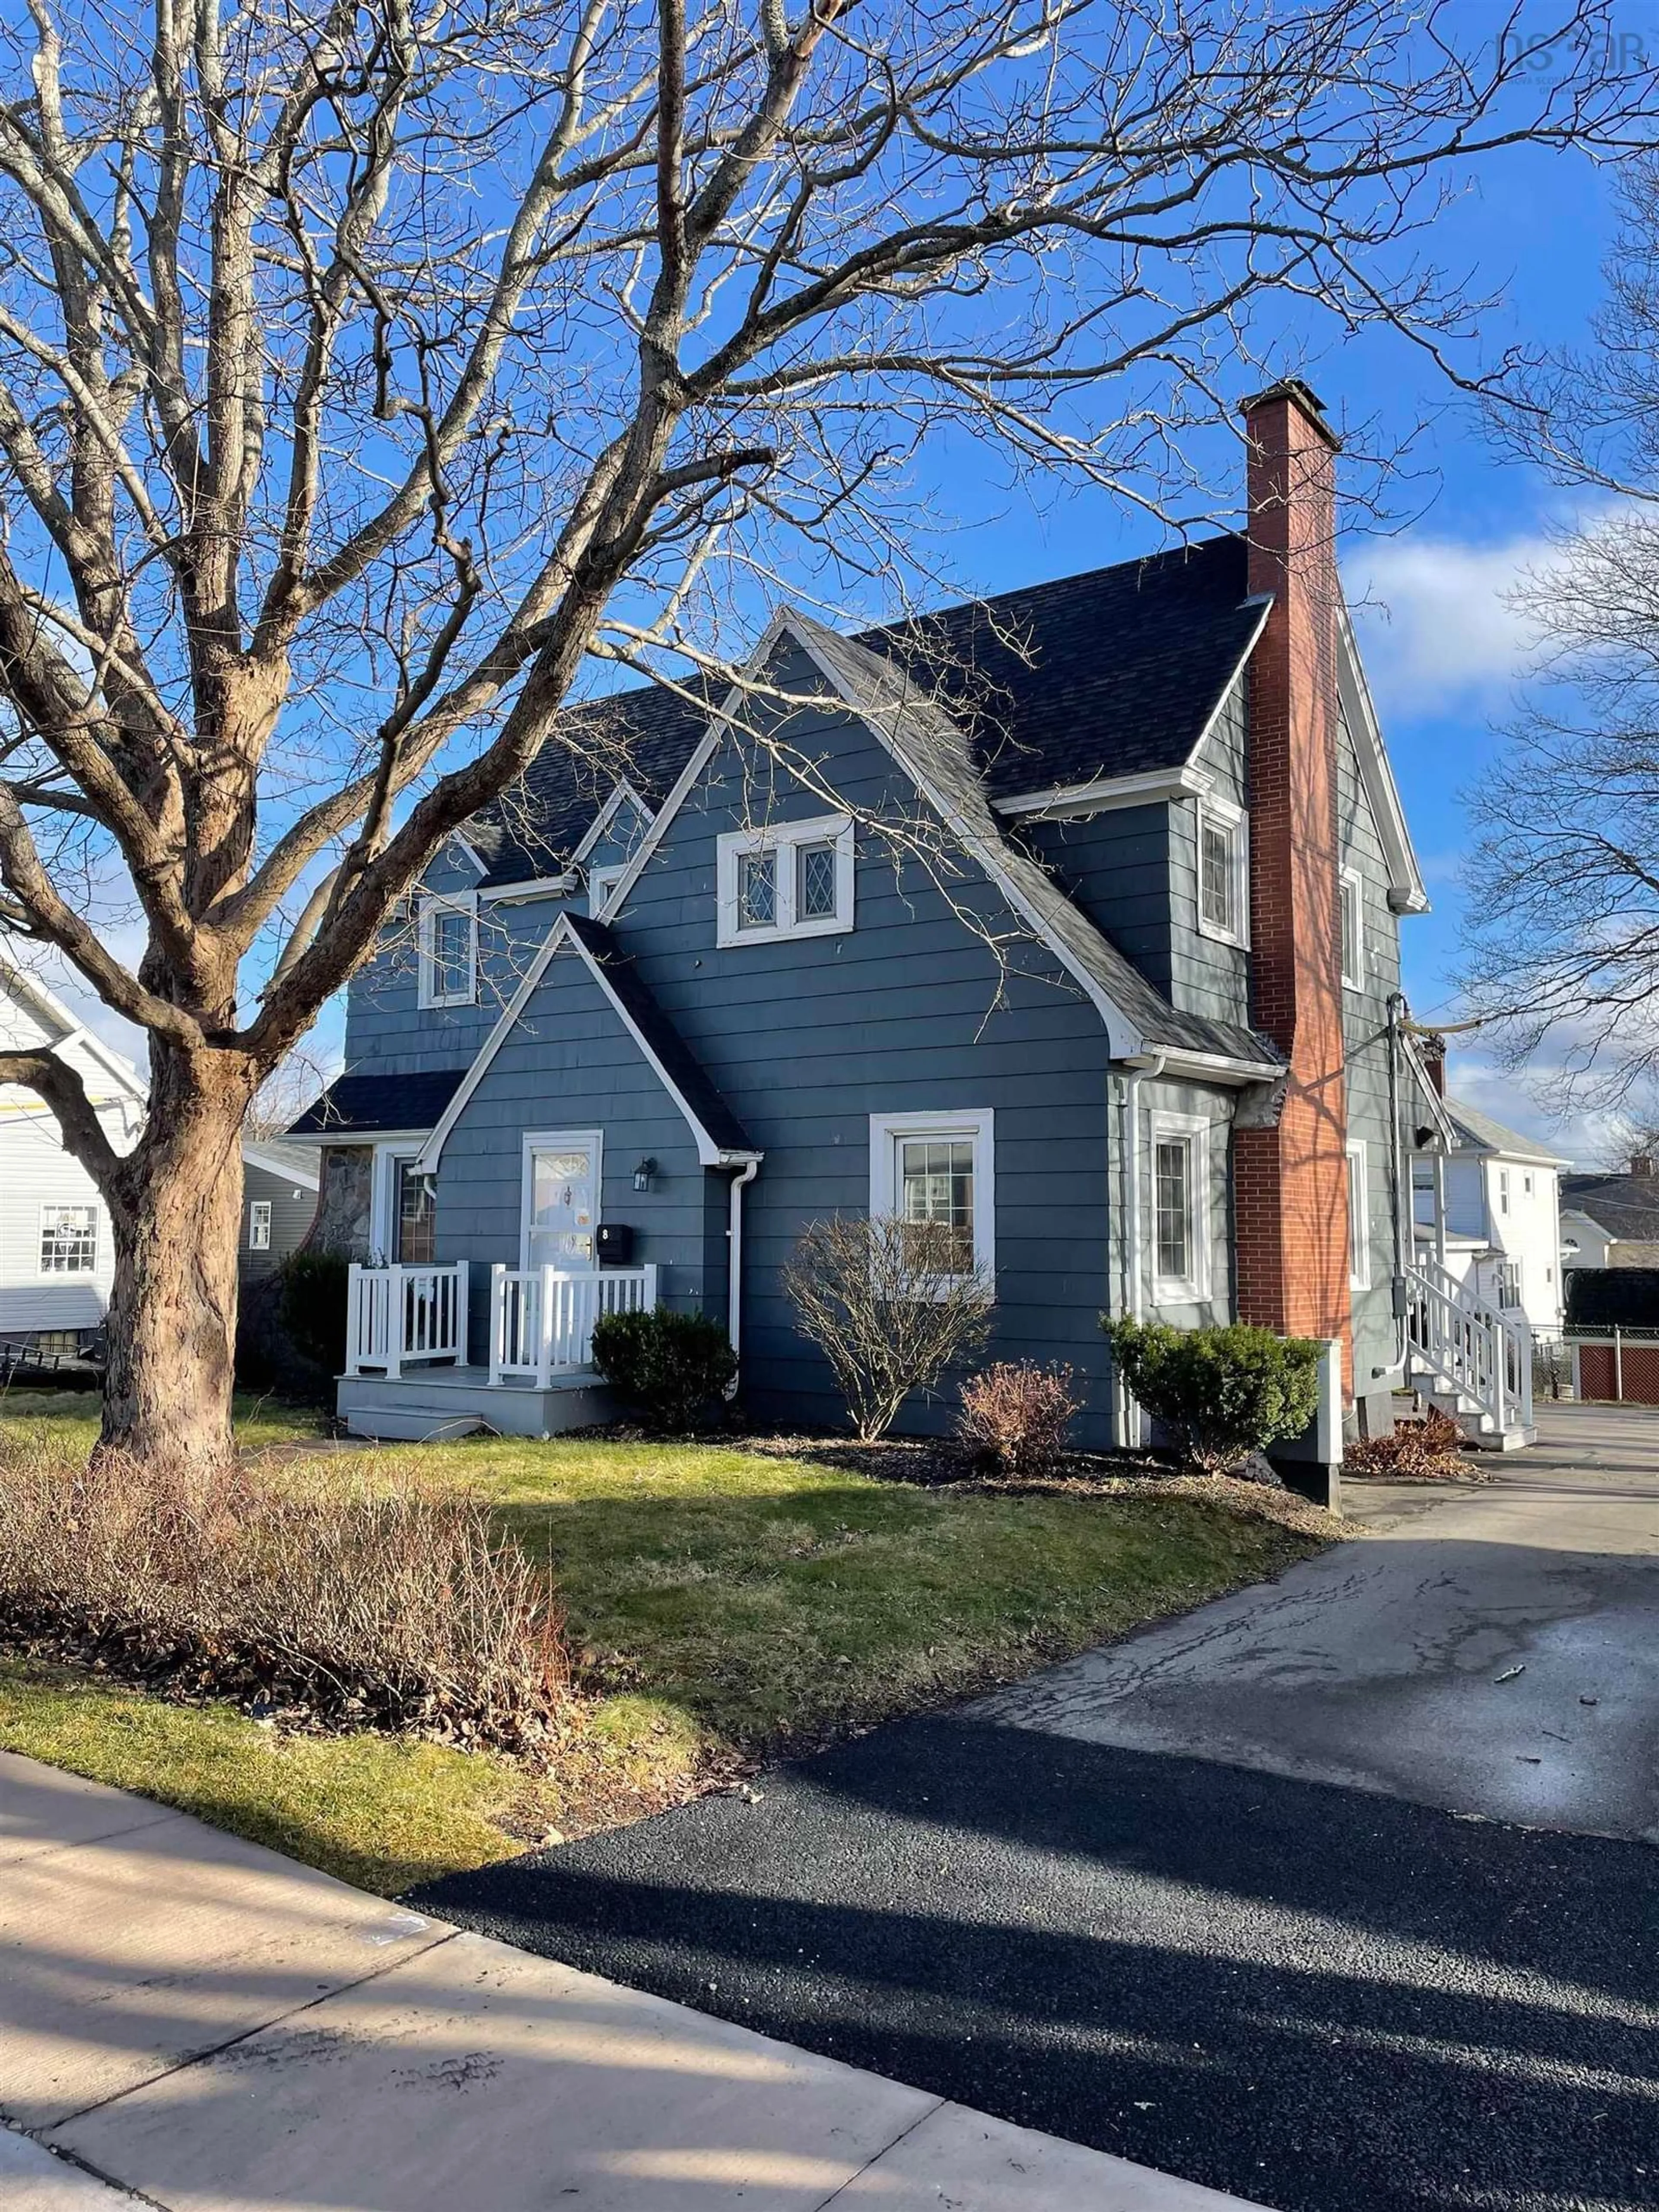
{"points": [[187, 2016]]}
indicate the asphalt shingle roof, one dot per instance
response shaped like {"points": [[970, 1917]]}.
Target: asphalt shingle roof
{"points": [[1113, 672], [1486, 1135], [378, 1102], [1623, 1205], [662, 1040]]}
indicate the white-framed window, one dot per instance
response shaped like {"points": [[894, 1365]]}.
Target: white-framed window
{"points": [[601, 882], [1509, 1283], [1179, 1156], [1359, 1216], [1223, 881], [941, 1169], [258, 1224], [1353, 930], [69, 1240], [447, 933], [1526, 1185], [792, 879], [1503, 1190]]}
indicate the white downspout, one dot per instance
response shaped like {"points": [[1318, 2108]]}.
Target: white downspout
{"points": [[1150, 1064], [746, 1174]]}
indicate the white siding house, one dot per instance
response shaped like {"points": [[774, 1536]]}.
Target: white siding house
{"points": [[1503, 1218], [55, 1259]]}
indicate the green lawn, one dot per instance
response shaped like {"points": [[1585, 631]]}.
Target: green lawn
{"points": [[719, 1604], [71, 1416]]}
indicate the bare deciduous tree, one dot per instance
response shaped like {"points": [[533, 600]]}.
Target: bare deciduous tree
{"points": [[368, 374], [891, 1304], [1564, 875]]}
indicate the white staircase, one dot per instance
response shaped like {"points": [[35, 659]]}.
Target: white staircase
{"points": [[1471, 1359]]}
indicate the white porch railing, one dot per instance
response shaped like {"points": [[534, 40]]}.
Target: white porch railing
{"points": [[1482, 1354], [541, 1319], [395, 1315]]}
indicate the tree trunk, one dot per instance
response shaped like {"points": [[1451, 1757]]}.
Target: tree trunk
{"points": [[172, 1307]]}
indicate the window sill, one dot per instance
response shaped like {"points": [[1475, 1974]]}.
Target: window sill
{"points": [[1180, 1294], [461, 999], [1216, 935], [831, 925]]}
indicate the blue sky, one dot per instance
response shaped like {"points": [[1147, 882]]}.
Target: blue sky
{"points": [[1442, 650]]}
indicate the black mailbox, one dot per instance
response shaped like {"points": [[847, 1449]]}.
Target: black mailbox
{"points": [[616, 1245]]}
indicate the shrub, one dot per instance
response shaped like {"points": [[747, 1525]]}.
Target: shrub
{"points": [[314, 1306], [1418, 1451], [1016, 1415], [321, 1596], [672, 1367], [891, 1306], [1224, 1392]]}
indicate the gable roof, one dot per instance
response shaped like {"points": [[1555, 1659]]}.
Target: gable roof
{"points": [[278, 1157], [1478, 1131], [1622, 1205], [371, 1102], [719, 1136], [932, 748], [61, 1028]]}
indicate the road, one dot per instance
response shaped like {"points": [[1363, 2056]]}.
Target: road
{"points": [[1311, 1896]]}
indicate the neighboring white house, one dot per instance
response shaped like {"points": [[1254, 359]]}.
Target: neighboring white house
{"points": [[1503, 1221], [56, 1259]]}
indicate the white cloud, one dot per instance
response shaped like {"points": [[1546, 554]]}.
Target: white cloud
{"points": [[1434, 623]]}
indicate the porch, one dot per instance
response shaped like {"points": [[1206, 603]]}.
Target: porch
{"points": [[409, 1373]]}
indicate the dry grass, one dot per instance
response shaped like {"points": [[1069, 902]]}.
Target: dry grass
{"points": [[322, 1595]]}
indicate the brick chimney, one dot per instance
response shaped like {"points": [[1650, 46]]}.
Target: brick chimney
{"points": [[1433, 1049], [1293, 1178]]}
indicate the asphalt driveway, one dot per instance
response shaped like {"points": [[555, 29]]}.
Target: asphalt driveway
{"points": [[1310, 1895]]}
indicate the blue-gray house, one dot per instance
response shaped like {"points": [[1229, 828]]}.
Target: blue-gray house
{"points": [[1069, 918]]}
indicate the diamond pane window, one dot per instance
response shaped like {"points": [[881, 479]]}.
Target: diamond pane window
{"points": [[757, 891], [815, 892], [69, 1240]]}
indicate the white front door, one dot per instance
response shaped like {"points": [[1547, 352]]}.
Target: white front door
{"points": [[560, 1200]]}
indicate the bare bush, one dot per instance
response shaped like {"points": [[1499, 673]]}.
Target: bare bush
{"points": [[334, 1602], [1429, 1450], [891, 1304], [1016, 1414]]}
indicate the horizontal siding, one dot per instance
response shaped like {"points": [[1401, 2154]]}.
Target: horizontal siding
{"points": [[35, 1171], [293, 1209]]}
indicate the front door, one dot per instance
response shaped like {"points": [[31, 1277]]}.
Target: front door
{"points": [[560, 1200]]}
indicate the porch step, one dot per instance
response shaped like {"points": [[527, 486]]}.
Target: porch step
{"points": [[433, 1404], [1480, 1433]]}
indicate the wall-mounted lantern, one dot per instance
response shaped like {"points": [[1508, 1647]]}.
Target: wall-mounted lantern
{"points": [[643, 1173]]}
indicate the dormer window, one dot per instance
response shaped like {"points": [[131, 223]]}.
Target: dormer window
{"points": [[1223, 865], [447, 939], [791, 880]]}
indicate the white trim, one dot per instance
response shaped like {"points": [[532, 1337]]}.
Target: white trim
{"points": [[532, 887], [44, 1274], [1352, 955], [709, 1154], [1360, 1229], [259, 1219], [623, 793], [254, 1156], [1227, 815], [977, 1122], [470, 851], [784, 840], [1405, 889], [432, 904], [1106, 794], [601, 882], [382, 1190], [550, 1140], [1192, 1130]]}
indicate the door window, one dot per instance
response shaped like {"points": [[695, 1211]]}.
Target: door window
{"points": [[563, 1207], [415, 1225]]}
